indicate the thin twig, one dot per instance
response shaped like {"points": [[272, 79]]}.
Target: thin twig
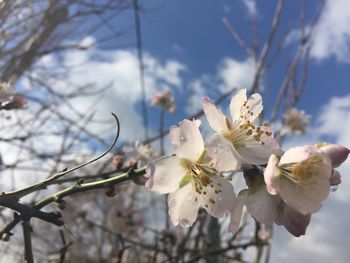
{"points": [[43, 184]]}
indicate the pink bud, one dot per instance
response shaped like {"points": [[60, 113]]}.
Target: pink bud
{"points": [[335, 178], [337, 153]]}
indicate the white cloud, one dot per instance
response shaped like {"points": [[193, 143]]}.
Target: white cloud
{"points": [[250, 5], [120, 69], [230, 74], [332, 34], [236, 74]]}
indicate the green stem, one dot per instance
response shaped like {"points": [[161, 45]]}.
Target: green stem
{"points": [[27, 238], [78, 188]]}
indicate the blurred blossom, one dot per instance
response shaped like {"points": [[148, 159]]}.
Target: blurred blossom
{"points": [[6, 91], [165, 100], [138, 153], [295, 122], [15, 102], [118, 161], [9, 100]]}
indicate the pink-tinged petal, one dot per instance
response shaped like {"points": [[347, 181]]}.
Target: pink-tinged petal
{"points": [[304, 201], [293, 221], [215, 117], [164, 174], [236, 215], [187, 140], [337, 153], [304, 192], [272, 175], [183, 207], [218, 204], [223, 154], [236, 103], [298, 154], [335, 178], [260, 204]]}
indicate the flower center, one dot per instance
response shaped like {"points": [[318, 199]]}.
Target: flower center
{"points": [[202, 176], [245, 131], [302, 173]]}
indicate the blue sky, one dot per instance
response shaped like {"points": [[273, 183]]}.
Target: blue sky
{"points": [[188, 49], [193, 34]]}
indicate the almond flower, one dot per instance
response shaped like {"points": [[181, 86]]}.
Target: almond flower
{"points": [[138, 153], [191, 179], [301, 177], [268, 209], [164, 99], [295, 122], [6, 91], [239, 141]]}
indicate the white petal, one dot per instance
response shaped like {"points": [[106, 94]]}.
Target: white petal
{"points": [[254, 106], [256, 153], [297, 154], [236, 103], [261, 205], [216, 119], [271, 175], [223, 154], [218, 204], [236, 215], [164, 174], [183, 208], [187, 140], [305, 201]]}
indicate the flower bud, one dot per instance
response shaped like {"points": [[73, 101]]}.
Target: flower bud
{"points": [[335, 178], [337, 153]]}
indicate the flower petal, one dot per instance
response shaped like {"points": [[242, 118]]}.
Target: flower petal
{"points": [[236, 103], [337, 153], [258, 153], [236, 215], [305, 201], [260, 204], [183, 207], [223, 154], [164, 174], [187, 140], [254, 105], [218, 204], [216, 119], [335, 179], [298, 154], [271, 175], [293, 221]]}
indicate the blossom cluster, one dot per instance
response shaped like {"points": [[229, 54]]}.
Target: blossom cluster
{"points": [[284, 188]]}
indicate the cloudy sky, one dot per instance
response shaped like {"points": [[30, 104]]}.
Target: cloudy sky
{"points": [[188, 49]]}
